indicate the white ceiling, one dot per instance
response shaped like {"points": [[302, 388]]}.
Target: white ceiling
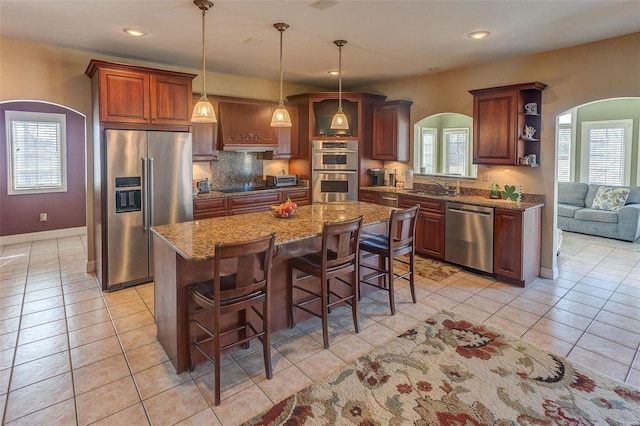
{"points": [[387, 39]]}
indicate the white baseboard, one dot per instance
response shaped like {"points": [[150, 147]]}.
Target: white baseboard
{"points": [[91, 266], [42, 235], [549, 273]]}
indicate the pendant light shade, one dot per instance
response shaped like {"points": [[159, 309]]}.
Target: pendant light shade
{"points": [[203, 111], [339, 120], [281, 116]]}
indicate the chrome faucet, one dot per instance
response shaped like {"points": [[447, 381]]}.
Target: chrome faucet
{"points": [[445, 187], [448, 190]]}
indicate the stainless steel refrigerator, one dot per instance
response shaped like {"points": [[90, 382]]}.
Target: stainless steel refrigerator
{"points": [[148, 183]]}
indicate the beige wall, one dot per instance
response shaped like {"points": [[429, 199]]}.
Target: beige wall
{"points": [[38, 72], [577, 75]]}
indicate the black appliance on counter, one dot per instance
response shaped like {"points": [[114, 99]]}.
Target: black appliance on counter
{"points": [[278, 181], [377, 177]]}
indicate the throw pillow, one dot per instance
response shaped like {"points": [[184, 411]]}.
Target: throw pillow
{"points": [[611, 199]]}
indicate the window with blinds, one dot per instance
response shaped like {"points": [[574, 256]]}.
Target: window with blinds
{"points": [[565, 151], [606, 148], [36, 146], [456, 151], [429, 151]]}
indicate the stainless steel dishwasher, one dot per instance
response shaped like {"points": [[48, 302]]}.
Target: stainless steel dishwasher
{"points": [[388, 199], [469, 236]]}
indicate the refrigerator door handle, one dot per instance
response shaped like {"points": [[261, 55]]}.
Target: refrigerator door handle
{"points": [[151, 190], [145, 215]]}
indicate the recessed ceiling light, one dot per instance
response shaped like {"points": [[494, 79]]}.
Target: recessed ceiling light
{"points": [[478, 35], [333, 72], [433, 69], [134, 32]]}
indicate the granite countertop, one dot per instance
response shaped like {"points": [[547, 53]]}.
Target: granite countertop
{"points": [[196, 240], [218, 194], [469, 196]]}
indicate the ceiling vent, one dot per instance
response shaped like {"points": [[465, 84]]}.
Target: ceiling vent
{"points": [[323, 4]]}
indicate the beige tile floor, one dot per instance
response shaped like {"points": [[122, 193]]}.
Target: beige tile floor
{"points": [[70, 354]]}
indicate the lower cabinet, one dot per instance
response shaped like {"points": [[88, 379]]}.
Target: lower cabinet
{"points": [[301, 196], [254, 202], [214, 207], [430, 225], [261, 201], [368, 196], [516, 245]]}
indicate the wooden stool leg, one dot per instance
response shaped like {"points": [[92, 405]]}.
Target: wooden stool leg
{"points": [[411, 280], [325, 312], [216, 360], [243, 318], [390, 278], [290, 316], [355, 283], [266, 341]]}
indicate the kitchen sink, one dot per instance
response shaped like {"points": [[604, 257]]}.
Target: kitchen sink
{"points": [[424, 193]]}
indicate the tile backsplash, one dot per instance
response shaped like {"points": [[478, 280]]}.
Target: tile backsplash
{"points": [[236, 169]]}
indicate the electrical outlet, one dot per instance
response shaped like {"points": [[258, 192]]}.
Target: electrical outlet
{"points": [[485, 176], [43, 217]]}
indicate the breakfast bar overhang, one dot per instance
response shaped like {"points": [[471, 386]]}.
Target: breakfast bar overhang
{"points": [[183, 254]]}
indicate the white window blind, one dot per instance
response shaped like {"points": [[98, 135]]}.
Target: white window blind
{"points": [[456, 151], [606, 147], [36, 144], [564, 153], [429, 151]]}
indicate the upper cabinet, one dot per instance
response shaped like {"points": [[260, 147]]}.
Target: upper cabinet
{"points": [[141, 96], [507, 124], [287, 137], [391, 131], [205, 137]]}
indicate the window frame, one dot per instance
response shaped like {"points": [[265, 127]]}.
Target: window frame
{"points": [[445, 155], [585, 156], [572, 149], [434, 132], [61, 119]]}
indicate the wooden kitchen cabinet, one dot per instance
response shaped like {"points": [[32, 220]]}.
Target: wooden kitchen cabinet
{"points": [[287, 137], [499, 120], [430, 225], [391, 131], [204, 137], [212, 207], [142, 96], [516, 245], [368, 196], [259, 202], [301, 196]]}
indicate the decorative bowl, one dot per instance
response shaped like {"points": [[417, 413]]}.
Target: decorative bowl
{"points": [[281, 213], [285, 210]]}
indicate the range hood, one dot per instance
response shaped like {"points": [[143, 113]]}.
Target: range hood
{"points": [[246, 127]]}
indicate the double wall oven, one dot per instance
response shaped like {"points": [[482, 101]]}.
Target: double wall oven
{"points": [[335, 171]]}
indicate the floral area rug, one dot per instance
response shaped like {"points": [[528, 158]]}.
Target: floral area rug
{"points": [[450, 371], [430, 268]]}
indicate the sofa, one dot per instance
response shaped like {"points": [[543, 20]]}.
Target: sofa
{"points": [[602, 210]]}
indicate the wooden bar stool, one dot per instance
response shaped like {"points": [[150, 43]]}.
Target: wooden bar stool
{"points": [[338, 257], [400, 240], [242, 276]]}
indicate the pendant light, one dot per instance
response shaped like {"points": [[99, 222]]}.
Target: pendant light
{"points": [[281, 116], [203, 111], [339, 121]]}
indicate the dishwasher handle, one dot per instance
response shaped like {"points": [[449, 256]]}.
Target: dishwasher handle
{"points": [[467, 211]]}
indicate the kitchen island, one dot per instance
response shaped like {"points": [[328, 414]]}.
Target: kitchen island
{"points": [[183, 254]]}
